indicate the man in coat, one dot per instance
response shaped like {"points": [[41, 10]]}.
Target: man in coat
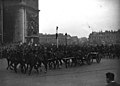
{"points": [[110, 80]]}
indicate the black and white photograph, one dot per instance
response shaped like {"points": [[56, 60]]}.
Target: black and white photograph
{"points": [[59, 42]]}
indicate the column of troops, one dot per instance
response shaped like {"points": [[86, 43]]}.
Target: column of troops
{"points": [[28, 57]]}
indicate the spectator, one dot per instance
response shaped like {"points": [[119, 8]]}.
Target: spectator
{"points": [[110, 80]]}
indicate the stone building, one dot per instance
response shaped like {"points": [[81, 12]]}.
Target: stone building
{"points": [[1, 22], [62, 39], [83, 41], [107, 37], [20, 20]]}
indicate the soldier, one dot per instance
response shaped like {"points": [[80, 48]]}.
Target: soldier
{"points": [[110, 80]]}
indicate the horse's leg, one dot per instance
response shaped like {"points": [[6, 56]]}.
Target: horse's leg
{"points": [[45, 64], [22, 67], [55, 63], [65, 62], [11, 65], [60, 63], [36, 68], [8, 61], [49, 64], [15, 67], [26, 67], [60, 60], [31, 67]]}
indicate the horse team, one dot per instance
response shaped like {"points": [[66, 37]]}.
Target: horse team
{"points": [[28, 57]]}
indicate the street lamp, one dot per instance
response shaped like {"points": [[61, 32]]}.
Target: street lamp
{"points": [[66, 38], [57, 35]]}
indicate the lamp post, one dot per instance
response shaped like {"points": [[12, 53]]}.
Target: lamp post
{"points": [[66, 38], [57, 35]]}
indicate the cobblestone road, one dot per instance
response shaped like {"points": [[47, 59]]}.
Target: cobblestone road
{"points": [[86, 75]]}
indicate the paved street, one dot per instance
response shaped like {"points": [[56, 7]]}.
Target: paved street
{"points": [[86, 75]]}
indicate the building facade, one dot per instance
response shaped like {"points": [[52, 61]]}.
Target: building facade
{"points": [[83, 41], [107, 37], [62, 39], [20, 20]]}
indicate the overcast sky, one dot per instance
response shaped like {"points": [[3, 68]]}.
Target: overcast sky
{"points": [[74, 16]]}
